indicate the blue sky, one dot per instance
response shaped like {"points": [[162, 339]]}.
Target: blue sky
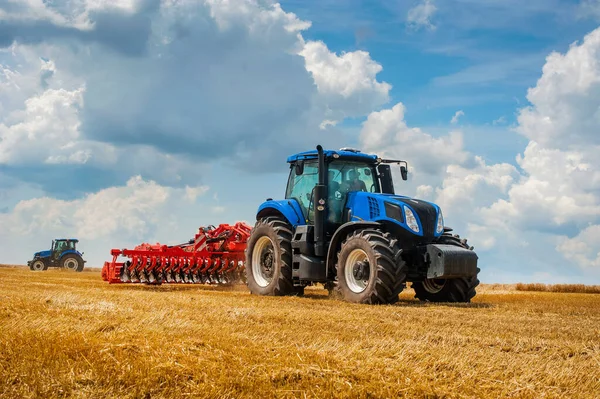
{"points": [[141, 120]]}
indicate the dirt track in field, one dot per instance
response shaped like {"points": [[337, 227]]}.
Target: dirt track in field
{"points": [[66, 334]]}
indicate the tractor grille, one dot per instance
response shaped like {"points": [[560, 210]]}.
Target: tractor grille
{"points": [[426, 214], [373, 207]]}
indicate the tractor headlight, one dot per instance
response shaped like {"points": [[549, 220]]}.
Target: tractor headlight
{"points": [[411, 220], [440, 223]]}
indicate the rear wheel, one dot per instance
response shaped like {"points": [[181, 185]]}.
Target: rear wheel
{"points": [[72, 262], [447, 290], [38, 266], [370, 268], [269, 258]]}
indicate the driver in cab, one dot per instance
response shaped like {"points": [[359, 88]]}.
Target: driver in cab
{"points": [[354, 183]]}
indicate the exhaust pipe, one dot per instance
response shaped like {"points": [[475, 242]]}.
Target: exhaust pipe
{"points": [[320, 204]]}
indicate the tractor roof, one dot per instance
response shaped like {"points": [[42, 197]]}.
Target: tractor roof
{"points": [[66, 239], [343, 154]]}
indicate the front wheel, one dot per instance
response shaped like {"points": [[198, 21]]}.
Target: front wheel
{"points": [[447, 290], [269, 258], [370, 268], [38, 266], [72, 262]]}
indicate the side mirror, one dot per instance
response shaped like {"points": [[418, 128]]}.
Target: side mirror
{"points": [[404, 172], [299, 168]]}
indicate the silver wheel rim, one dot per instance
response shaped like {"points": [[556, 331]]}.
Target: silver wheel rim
{"points": [[433, 286], [263, 261], [71, 264], [357, 271], [38, 265]]}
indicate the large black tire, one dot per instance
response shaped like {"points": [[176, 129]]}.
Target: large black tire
{"points": [[448, 290], [72, 262], [38, 265], [370, 268], [269, 259]]}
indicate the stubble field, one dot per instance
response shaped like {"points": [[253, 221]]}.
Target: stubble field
{"points": [[66, 334]]}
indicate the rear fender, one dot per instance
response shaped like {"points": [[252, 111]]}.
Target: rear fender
{"points": [[338, 238], [69, 251], [289, 209]]}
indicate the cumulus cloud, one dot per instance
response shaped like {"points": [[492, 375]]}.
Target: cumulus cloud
{"points": [[583, 249], [347, 82], [48, 122], [386, 133], [564, 104]]}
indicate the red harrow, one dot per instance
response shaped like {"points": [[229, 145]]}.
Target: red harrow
{"points": [[214, 256]]}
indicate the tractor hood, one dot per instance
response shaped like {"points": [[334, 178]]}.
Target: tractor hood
{"points": [[419, 217], [43, 254]]}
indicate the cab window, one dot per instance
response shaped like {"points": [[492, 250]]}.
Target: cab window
{"points": [[300, 187]]}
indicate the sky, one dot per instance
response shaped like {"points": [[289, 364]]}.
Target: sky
{"points": [[129, 121]]}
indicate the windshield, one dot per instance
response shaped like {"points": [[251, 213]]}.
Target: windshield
{"points": [[343, 177], [346, 176], [62, 245]]}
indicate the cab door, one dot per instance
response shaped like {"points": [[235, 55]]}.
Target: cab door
{"points": [[301, 182]]}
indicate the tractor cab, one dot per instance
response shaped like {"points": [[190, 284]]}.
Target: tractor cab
{"points": [[62, 244], [347, 171]]}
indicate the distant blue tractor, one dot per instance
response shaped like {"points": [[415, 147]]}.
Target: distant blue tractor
{"points": [[63, 254], [342, 225]]}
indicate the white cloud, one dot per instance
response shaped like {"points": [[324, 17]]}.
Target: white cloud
{"points": [[583, 249], [457, 116], [129, 6], [421, 14], [387, 134], [564, 110], [347, 82], [48, 122], [470, 187], [561, 182]]}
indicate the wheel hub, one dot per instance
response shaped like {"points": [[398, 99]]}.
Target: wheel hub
{"points": [[71, 264], [266, 263], [357, 271], [38, 266], [360, 270], [263, 261]]}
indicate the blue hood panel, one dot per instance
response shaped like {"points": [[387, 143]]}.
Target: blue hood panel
{"points": [[371, 207], [43, 254]]}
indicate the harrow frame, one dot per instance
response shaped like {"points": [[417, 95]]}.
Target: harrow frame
{"points": [[215, 256]]}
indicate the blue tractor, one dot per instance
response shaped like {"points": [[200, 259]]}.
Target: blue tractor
{"points": [[63, 253], [342, 225]]}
